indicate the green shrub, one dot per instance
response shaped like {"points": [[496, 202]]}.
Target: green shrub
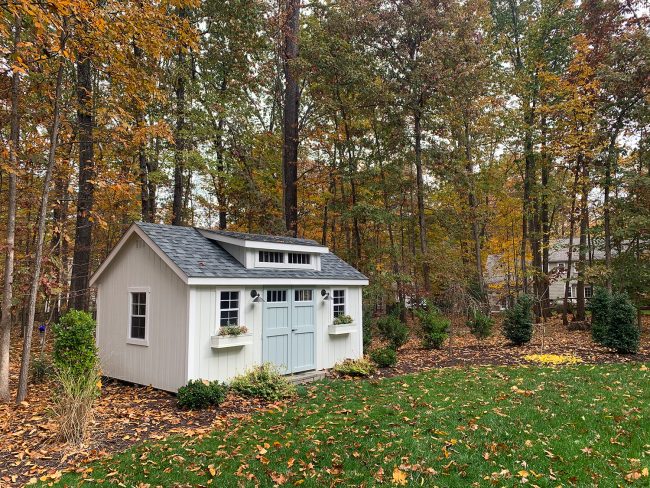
{"points": [[73, 400], [74, 343], [622, 332], [480, 325], [434, 328], [41, 369], [263, 381], [599, 307], [342, 319], [393, 330], [384, 357], [518, 321], [355, 367], [198, 394]]}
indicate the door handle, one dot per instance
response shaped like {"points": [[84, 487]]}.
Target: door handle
{"points": [[293, 330]]}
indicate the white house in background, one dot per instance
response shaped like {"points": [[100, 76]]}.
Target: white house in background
{"points": [[499, 273], [164, 292]]}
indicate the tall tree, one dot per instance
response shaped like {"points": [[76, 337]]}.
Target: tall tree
{"points": [[8, 277], [290, 32], [79, 290]]}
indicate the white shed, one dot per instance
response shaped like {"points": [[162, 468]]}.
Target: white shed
{"points": [[164, 293]]}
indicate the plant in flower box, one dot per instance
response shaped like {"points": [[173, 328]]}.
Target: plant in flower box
{"points": [[342, 320], [233, 330]]}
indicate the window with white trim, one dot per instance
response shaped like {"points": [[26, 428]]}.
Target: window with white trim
{"points": [[570, 292], [338, 302], [138, 315], [228, 308], [271, 257], [588, 291], [298, 258]]}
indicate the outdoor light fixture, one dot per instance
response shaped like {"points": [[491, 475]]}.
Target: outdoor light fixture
{"points": [[325, 294], [257, 298]]}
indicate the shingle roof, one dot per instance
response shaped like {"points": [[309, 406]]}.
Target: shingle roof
{"points": [[200, 257], [264, 238]]}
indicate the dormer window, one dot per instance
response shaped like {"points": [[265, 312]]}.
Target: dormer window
{"points": [[299, 258], [271, 257]]}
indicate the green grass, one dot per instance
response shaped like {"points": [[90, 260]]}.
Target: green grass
{"points": [[580, 425]]}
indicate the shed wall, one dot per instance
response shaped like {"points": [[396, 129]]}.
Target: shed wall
{"points": [[207, 363], [162, 363]]}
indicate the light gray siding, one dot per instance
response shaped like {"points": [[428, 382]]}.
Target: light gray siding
{"points": [[163, 362]]}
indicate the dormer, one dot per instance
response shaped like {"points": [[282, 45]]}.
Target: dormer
{"points": [[262, 251]]}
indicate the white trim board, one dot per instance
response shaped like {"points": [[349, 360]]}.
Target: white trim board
{"points": [[263, 245], [274, 281]]}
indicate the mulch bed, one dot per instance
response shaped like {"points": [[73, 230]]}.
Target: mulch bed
{"points": [[126, 414], [465, 350]]}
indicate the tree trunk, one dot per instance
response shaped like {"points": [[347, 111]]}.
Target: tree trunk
{"points": [[8, 278], [529, 170], [79, 292], [476, 235], [422, 230], [290, 117], [40, 238], [584, 227], [572, 224], [179, 137], [546, 225], [609, 166]]}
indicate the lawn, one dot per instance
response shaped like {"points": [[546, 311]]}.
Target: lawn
{"points": [[582, 425]]}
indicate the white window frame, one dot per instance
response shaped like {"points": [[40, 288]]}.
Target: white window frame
{"points": [[345, 300], [313, 260], [239, 305], [133, 340]]}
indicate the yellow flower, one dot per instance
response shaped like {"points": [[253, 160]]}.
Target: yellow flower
{"points": [[553, 359]]}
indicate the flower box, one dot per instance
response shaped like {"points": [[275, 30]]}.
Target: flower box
{"points": [[225, 341], [341, 329]]}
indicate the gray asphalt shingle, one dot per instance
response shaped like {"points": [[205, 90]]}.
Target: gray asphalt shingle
{"points": [[200, 257]]}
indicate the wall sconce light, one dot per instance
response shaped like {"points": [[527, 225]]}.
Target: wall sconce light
{"points": [[257, 298], [325, 294]]}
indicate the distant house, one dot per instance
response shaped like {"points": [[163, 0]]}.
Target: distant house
{"points": [[500, 275], [165, 293]]}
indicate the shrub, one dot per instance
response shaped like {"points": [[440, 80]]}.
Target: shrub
{"points": [[434, 327], [599, 307], [518, 321], [72, 402], [74, 343], [480, 325], [232, 330], [199, 394], [263, 381], [384, 357], [41, 369], [393, 330], [622, 333], [342, 319], [355, 367]]}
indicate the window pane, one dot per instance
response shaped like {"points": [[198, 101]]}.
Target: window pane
{"points": [[137, 327]]}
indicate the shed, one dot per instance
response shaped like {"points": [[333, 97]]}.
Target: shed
{"points": [[166, 295]]}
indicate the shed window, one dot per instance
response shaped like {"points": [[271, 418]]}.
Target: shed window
{"points": [[271, 257], [588, 291], [138, 316], [229, 308], [338, 300], [303, 296], [299, 258], [276, 296]]}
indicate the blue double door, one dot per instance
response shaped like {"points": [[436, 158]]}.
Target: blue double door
{"points": [[289, 329]]}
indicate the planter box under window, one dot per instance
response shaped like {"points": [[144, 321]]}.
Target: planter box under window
{"points": [[341, 329], [223, 342]]}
